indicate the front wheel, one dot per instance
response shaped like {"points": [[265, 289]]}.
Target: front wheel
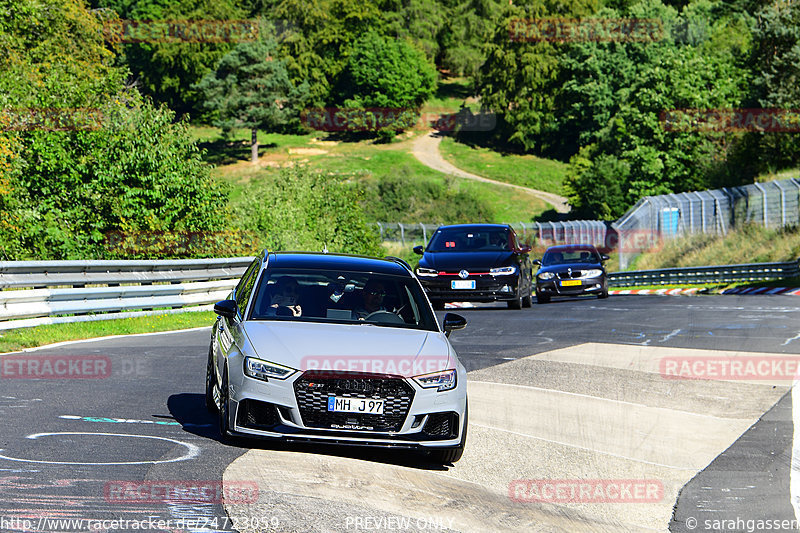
{"points": [[222, 408], [516, 303], [211, 382]]}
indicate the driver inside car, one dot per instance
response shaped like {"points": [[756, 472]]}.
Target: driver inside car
{"points": [[286, 298], [372, 300]]}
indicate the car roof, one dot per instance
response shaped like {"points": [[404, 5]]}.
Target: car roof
{"points": [[328, 261], [569, 247], [474, 226]]}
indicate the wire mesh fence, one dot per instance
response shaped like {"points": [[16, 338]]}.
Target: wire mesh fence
{"points": [[651, 221]]}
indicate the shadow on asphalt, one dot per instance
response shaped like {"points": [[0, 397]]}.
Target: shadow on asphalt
{"points": [[189, 409]]}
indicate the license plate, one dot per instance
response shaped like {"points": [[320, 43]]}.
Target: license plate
{"points": [[570, 283], [462, 284], [339, 404]]}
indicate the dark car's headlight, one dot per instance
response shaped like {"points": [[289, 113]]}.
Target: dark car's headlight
{"points": [[260, 369], [444, 380], [503, 271], [546, 275], [593, 273], [427, 272]]}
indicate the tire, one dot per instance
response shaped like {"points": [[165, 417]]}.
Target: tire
{"points": [[541, 299], [452, 455], [527, 301], [222, 410], [516, 303], [604, 293], [211, 382]]}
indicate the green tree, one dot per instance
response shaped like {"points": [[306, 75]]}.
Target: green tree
{"points": [[388, 74], [251, 89], [166, 69], [776, 65], [124, 164]]}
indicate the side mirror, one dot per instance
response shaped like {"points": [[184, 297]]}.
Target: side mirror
{"points": [[604, 257], [524, 249], [452, 322], [226, 308], [537, 262], [419, 250]]}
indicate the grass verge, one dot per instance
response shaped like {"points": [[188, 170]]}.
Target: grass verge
{"points": [[526, 170], [749, 244], [18, 339]]}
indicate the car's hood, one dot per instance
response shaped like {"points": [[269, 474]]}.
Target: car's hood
{"points": [[358, 347], [472, 261], [574, 266]]}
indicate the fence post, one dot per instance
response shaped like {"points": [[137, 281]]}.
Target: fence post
{"points": [[702, 211], [764, 201], [380, 226], [783, 203], [424, 234], [402, 233]]}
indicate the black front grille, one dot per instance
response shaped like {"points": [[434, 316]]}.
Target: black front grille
{"points": [[312, 390], [570, 275], [257, 415], [444, 425]]}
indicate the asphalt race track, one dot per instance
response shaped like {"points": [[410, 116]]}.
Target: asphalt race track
{"points": [[568, 396]]}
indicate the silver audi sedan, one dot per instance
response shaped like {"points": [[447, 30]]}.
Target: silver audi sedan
{"points": [[338, 349]]}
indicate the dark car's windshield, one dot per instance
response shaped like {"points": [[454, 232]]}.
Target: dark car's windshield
{"points": [[341, 297], [570, 255], [462, 240]]}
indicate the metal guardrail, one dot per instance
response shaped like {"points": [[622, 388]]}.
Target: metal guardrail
{"points": [[101, 290], [46, 289], [709, 274]]}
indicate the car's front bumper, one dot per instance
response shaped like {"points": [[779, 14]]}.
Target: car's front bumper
{"points": [[554, 287], [271, 410], [488, 288]]}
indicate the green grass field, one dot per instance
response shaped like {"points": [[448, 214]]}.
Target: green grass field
{"points": [[526, 170], [362, 160]]}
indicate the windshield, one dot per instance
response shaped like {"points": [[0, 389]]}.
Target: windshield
{"points": [[571, 255], [342, 297], [460, 240]]}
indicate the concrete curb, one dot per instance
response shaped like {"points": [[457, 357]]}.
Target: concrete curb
{"points": [[789, 291], [661, 292]]}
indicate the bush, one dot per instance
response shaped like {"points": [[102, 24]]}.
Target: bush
{"points": [[304, 210]]}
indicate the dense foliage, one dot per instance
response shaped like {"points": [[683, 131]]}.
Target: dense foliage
{"points": [[304, 210]]}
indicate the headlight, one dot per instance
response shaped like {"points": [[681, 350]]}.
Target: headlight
{"points": [[503, 271], [427, 272], [445, 380], [593, 273], [546, 275], [260, 369]]}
